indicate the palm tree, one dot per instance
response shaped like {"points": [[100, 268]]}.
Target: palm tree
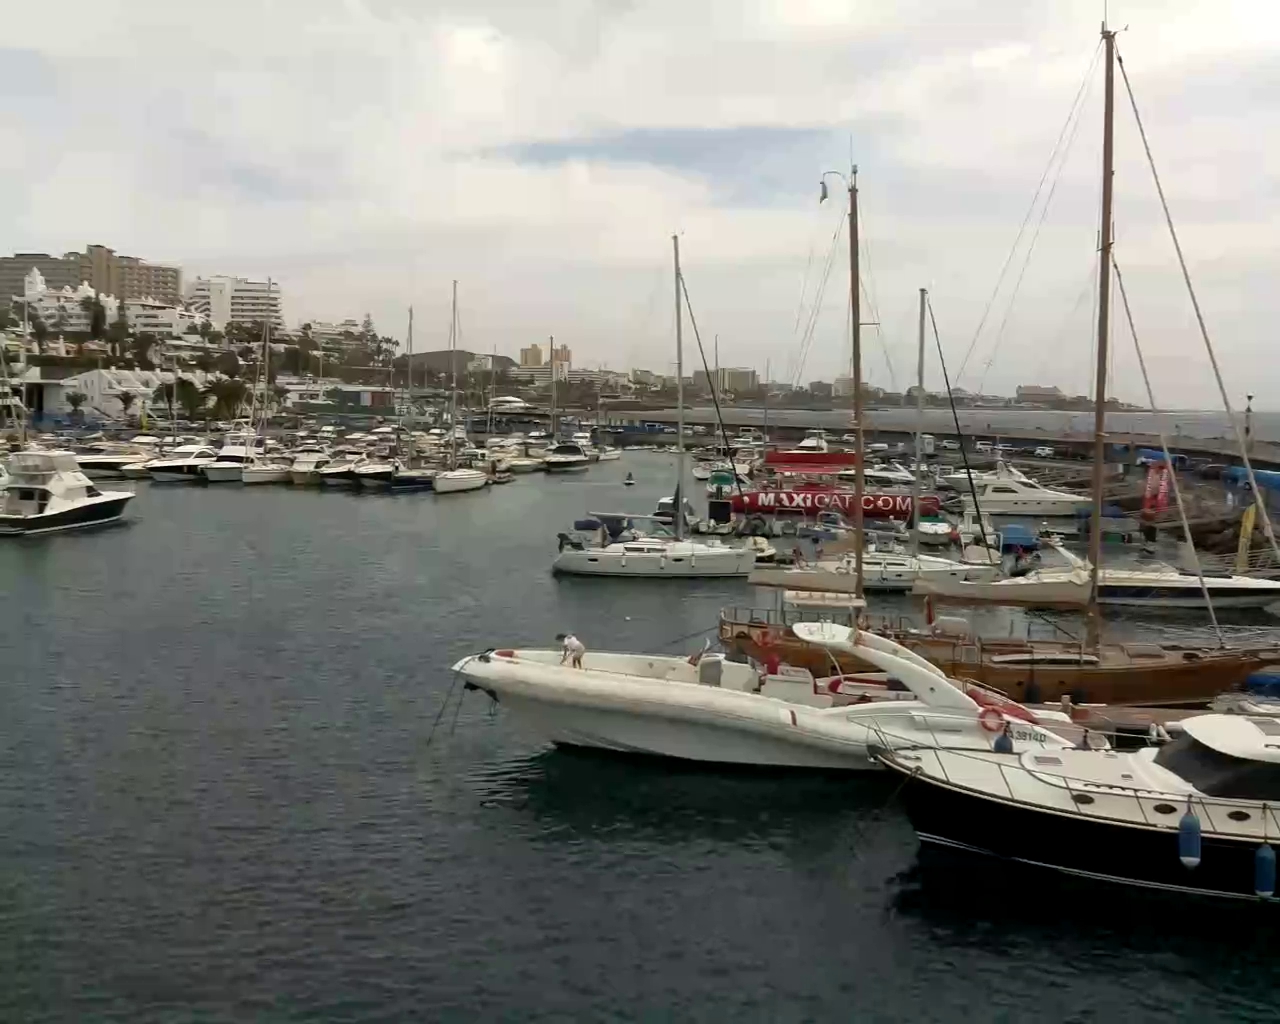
{"points": [[75, 399], [228, 397]]}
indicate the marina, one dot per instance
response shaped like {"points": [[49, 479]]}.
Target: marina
{"points": [[473, 682]]}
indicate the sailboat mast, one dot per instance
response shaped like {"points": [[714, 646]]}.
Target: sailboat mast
{"points": [[453, 391], [1104, 312], [855, 323], [915, 470], [679, 511], [552, 423]]}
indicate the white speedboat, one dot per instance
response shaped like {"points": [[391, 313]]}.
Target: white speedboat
{"points": [[304, 471], [814, 441], [453, 481], [569, 457], [882, 570], [46, 492], [523, 464], [712, 710], [960, 479], [375, 474], [265, 471], [108, 460], [657, 557], [608, 453], [238, 447], [184, 464], [340, 472]]}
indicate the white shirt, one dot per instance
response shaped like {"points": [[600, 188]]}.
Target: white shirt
{"points": [[573, 646]]}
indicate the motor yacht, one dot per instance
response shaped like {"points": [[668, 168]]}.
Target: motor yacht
{"points": [[569, 457], [184, 464], [46, 492], [238, 447], [304, 471]]}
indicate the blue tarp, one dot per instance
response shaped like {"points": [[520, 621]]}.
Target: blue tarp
{"points": [[1267, 478]]}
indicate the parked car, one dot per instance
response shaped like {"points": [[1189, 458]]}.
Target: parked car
{"points": [[1044, 452], [982, 446], [1006, 449], [951, 446], [878, 447]]}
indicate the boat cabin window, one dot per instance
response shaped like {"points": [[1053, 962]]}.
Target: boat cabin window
{"points": [[1003, 489], [1218, 774]]}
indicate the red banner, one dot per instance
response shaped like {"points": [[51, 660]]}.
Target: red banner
{"points": [[795, 461], [1156, 493], [885, 506]]}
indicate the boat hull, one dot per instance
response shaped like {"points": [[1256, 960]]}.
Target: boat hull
{"points": [[448, 483], [556, 465], [224, 473], [265, 475], [1027, 674], [953, 818], [304, 477], [589, 562], [191, 474], [108, 509]]}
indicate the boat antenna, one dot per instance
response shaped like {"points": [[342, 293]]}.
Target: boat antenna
{"points": [[915, 470], [1104, 314]]}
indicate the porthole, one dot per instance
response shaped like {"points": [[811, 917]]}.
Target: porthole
{"points": [[1082, 798], [1238, 815], [1164, 809]]}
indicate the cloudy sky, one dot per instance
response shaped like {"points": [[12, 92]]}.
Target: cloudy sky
{"points": [[366, 152]]}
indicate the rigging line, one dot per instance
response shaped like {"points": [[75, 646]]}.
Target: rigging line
{"points": [[806, 312], [815, 310], [1164, 445], [955, 417], [715, 398], [1195, 302], [1031, 247], [870, 293], [1008, 260], [804, 280]]}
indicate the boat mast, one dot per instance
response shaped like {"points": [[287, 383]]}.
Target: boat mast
{"points": [[408, 373], [1104, 310], [552, 422], [453, 391], [915, 470], [855, 324], [679, 511]]}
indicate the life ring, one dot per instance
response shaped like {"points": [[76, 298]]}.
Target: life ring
{"points": [[991, 720]]}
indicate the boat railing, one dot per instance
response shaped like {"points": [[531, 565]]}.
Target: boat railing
{"points": [[1084, 794], [748, 617]]}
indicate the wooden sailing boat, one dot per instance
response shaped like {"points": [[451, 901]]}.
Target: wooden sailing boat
{"points": [[1038, 670]]}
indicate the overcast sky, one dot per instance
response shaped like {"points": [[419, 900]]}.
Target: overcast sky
{"points": [[366, 152]]}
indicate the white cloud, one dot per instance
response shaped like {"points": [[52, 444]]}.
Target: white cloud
{"points": [[366, 152]]}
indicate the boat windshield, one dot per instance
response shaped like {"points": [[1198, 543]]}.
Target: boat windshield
{"points": [[1218, 774]]}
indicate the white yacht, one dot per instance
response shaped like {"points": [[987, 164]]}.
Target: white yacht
{"points": [[569, 457], [884, 571], [107, 460], [608, 453], [453, 481], [960, 479], [266, 471], [46, 492], [237, 449], [340, 472], [661, 557], [184, 464], [706, 708], [305, 468], [814, 441]]}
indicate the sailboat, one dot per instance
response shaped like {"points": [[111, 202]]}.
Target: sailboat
{"points": [[1088, 670], [258, 467], [456, 479], [666, 556]]}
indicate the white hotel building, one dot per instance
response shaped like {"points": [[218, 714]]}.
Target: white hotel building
{"points": [[227, 299]]}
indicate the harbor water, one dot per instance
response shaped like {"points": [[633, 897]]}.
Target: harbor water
{"points": [[239, 782]]}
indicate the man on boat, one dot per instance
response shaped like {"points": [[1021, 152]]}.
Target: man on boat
{"points": [[572, 650]]}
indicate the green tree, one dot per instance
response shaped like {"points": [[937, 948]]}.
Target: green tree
{"points": [[191, 328], [142, 345], [98, 318], [75, 399], [228, 397], [190, 399], [8, 319], [127, 398], [279, 393], [118, 332], [228, 364]]}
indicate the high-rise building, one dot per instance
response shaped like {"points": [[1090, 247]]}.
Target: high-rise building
{"points": [[733, 379], [531, 356], [561, 356], [227, 300], [125, 277]]}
